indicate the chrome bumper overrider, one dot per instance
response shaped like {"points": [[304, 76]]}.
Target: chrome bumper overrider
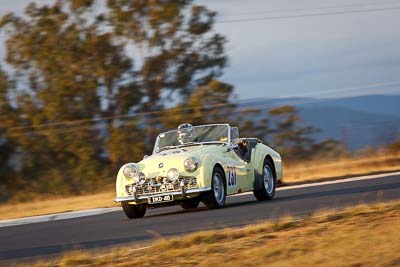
{"points": [[184, 192]]}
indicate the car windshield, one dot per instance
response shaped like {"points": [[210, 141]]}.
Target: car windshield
{"points": [[195, 135]]}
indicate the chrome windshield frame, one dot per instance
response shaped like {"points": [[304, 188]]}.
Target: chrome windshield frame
{"points": [[228, 143]]}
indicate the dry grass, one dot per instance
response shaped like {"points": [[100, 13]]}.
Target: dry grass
{"points": [[362, 236], [306, 171], [319, 169]]}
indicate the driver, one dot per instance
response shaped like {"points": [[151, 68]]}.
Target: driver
{"points": [[185, 133], [243, 148]]}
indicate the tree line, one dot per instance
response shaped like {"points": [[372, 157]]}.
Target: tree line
{"points": [[87, 85]]}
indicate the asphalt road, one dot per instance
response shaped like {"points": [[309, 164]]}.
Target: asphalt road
{"points": [[24, 242]]}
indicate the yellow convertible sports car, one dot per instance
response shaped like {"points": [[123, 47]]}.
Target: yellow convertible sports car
{"points": [[198, 163]]}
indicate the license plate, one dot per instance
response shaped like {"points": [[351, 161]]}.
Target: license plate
{"points": [[160, 199]]}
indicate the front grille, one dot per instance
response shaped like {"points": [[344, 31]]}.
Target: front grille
{"points": [[152, 187]]}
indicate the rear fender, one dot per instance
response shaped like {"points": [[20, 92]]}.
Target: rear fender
{"points": [[263, 153]]}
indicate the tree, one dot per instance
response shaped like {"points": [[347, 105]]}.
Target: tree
{"points": [[65, 71], [208, 104], [7, 146], [125, 144], [294, 139], [177, 46], [82, 101], [251, 123], [395, 146]]}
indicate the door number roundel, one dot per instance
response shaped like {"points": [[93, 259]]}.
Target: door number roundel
{"points": [[232, 178]]}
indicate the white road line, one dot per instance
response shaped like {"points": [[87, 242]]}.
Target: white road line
{"points": [[338, 181], [84, 213], [56, 216]]}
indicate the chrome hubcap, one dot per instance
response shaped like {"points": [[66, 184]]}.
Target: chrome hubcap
{"points": [[268, 179], [219, 190]]}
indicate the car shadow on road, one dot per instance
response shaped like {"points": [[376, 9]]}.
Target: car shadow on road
{"points": [[204, 209]]}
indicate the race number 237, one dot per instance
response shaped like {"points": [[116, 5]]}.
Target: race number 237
{"points": [[232, 179]]}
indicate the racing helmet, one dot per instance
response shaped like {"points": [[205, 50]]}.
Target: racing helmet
{"points": [[185, 133]]}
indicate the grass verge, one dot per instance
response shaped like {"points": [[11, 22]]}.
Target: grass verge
{"points": [[361, 236], [307, 171], [313, 170]]}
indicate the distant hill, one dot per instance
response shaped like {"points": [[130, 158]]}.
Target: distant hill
{"points": [[357, 121], [354, 128], [376, 104]]}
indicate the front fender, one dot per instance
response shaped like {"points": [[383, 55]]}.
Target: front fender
{"points": [[120, 182], [206, 169]]}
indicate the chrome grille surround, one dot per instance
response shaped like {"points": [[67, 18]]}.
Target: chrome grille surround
{"points": [[150, 187]]}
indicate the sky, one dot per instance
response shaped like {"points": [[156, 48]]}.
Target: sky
{"points": [[303, 48]]}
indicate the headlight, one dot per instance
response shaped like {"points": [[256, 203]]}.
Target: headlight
{"points": [[130, 171], [191, 164], [173, 174]]}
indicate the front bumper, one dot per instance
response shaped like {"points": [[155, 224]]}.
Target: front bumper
{"points": [[184, 193]]}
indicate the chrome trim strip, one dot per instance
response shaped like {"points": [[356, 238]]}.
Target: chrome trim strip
{"points": [[136, 198]]}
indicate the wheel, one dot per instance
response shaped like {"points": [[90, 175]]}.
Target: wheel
{"points": [[215, 198], [190, 203], [133, 211], [269, 181]]}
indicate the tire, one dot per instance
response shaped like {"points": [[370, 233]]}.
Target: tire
{"points": [[190, 203], [269, 183], [133, 211], [216, 198]]}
